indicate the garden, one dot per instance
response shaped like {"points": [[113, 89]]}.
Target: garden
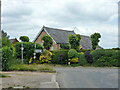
{"points": [[69, 54]]}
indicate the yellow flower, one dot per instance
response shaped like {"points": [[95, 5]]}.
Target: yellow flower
{"points": [[30, 61]]}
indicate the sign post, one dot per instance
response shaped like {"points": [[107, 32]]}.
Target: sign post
{"points": [[22, 52]]}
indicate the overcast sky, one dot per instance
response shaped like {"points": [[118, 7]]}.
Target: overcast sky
{"points": [[26, 17]]}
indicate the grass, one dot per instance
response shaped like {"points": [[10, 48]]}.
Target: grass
{"points": [[32, 67], [3, 75]]}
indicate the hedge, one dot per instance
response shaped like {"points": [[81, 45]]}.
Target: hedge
{"points": [[6, 56], [104, 57], [60, 57], [28, 49]]}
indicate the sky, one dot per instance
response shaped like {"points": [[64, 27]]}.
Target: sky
{"points": [[85, 17]]}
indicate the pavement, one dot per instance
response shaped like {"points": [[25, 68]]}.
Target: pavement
{"points": [[87, 77], [29, 80]]}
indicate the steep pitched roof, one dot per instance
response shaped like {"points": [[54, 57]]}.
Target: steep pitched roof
{"points": [[13, 40], [61, 36]]}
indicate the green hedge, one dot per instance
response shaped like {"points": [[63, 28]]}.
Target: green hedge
{"points": [[60, 57], [104, 57], [82, 60], [6, 56], [28, 49]]}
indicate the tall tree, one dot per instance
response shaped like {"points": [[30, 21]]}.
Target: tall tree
{"points": [[24, 38], [74, 41], [4, 34], [47, 42], [95, 39]]}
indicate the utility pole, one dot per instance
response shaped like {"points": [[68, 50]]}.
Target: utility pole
{"points": [[22, 52]]}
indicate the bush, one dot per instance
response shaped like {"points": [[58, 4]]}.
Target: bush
{"points": [[105, 57], [72, 53], [64, 46], [88, 57], [45, 57], [60, 57], [6, 56], [28, 49], [82, 60], [74, 60]]}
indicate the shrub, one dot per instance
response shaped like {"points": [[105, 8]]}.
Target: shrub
{"points": [[45, 57], [73, 56], [88, 57], [82, 60], [6, 55], [64, 46], [105, 57], [28, 49], [60, 57], [72, 53], [74, 60], [24, 38]]}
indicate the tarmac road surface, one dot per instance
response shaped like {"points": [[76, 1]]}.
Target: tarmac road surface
{"points": [[86, 77]]}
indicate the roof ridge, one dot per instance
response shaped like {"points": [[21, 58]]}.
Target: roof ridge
{"points": [[59, 29]]}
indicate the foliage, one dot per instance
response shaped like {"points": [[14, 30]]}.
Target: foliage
{"points": [[47, 42], [74, 41], [32, 67], [64, 46], [4, 34], [24, 38], [45, 57], [74, 60], [72, 53], [83, 50], [60, 57], [88, 57], [28, 49], [82, 60], [94, 40], [30, 61], [105, 57], [6, 42], [116, 48], [6, 55]]}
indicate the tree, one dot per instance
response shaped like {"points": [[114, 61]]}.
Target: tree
{"points": [[24, 38], [74, 41], [95, 39], [47, 42], [4, 34]]}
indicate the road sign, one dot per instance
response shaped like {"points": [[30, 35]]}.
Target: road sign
{"points": [[38, 50]]}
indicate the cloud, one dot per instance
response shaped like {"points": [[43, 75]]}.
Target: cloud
{"points": [[23, 17]]}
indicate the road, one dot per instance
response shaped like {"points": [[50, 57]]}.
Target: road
{"points": [[83, 77]]}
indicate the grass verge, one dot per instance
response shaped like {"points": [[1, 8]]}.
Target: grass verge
{"points": [[32, 67], [3, 76]]}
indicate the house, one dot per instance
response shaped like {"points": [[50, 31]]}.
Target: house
{"points": [[13, 41], [60, 36]]}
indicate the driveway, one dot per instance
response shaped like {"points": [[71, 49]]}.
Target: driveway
{"points": [[83, 77]]}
